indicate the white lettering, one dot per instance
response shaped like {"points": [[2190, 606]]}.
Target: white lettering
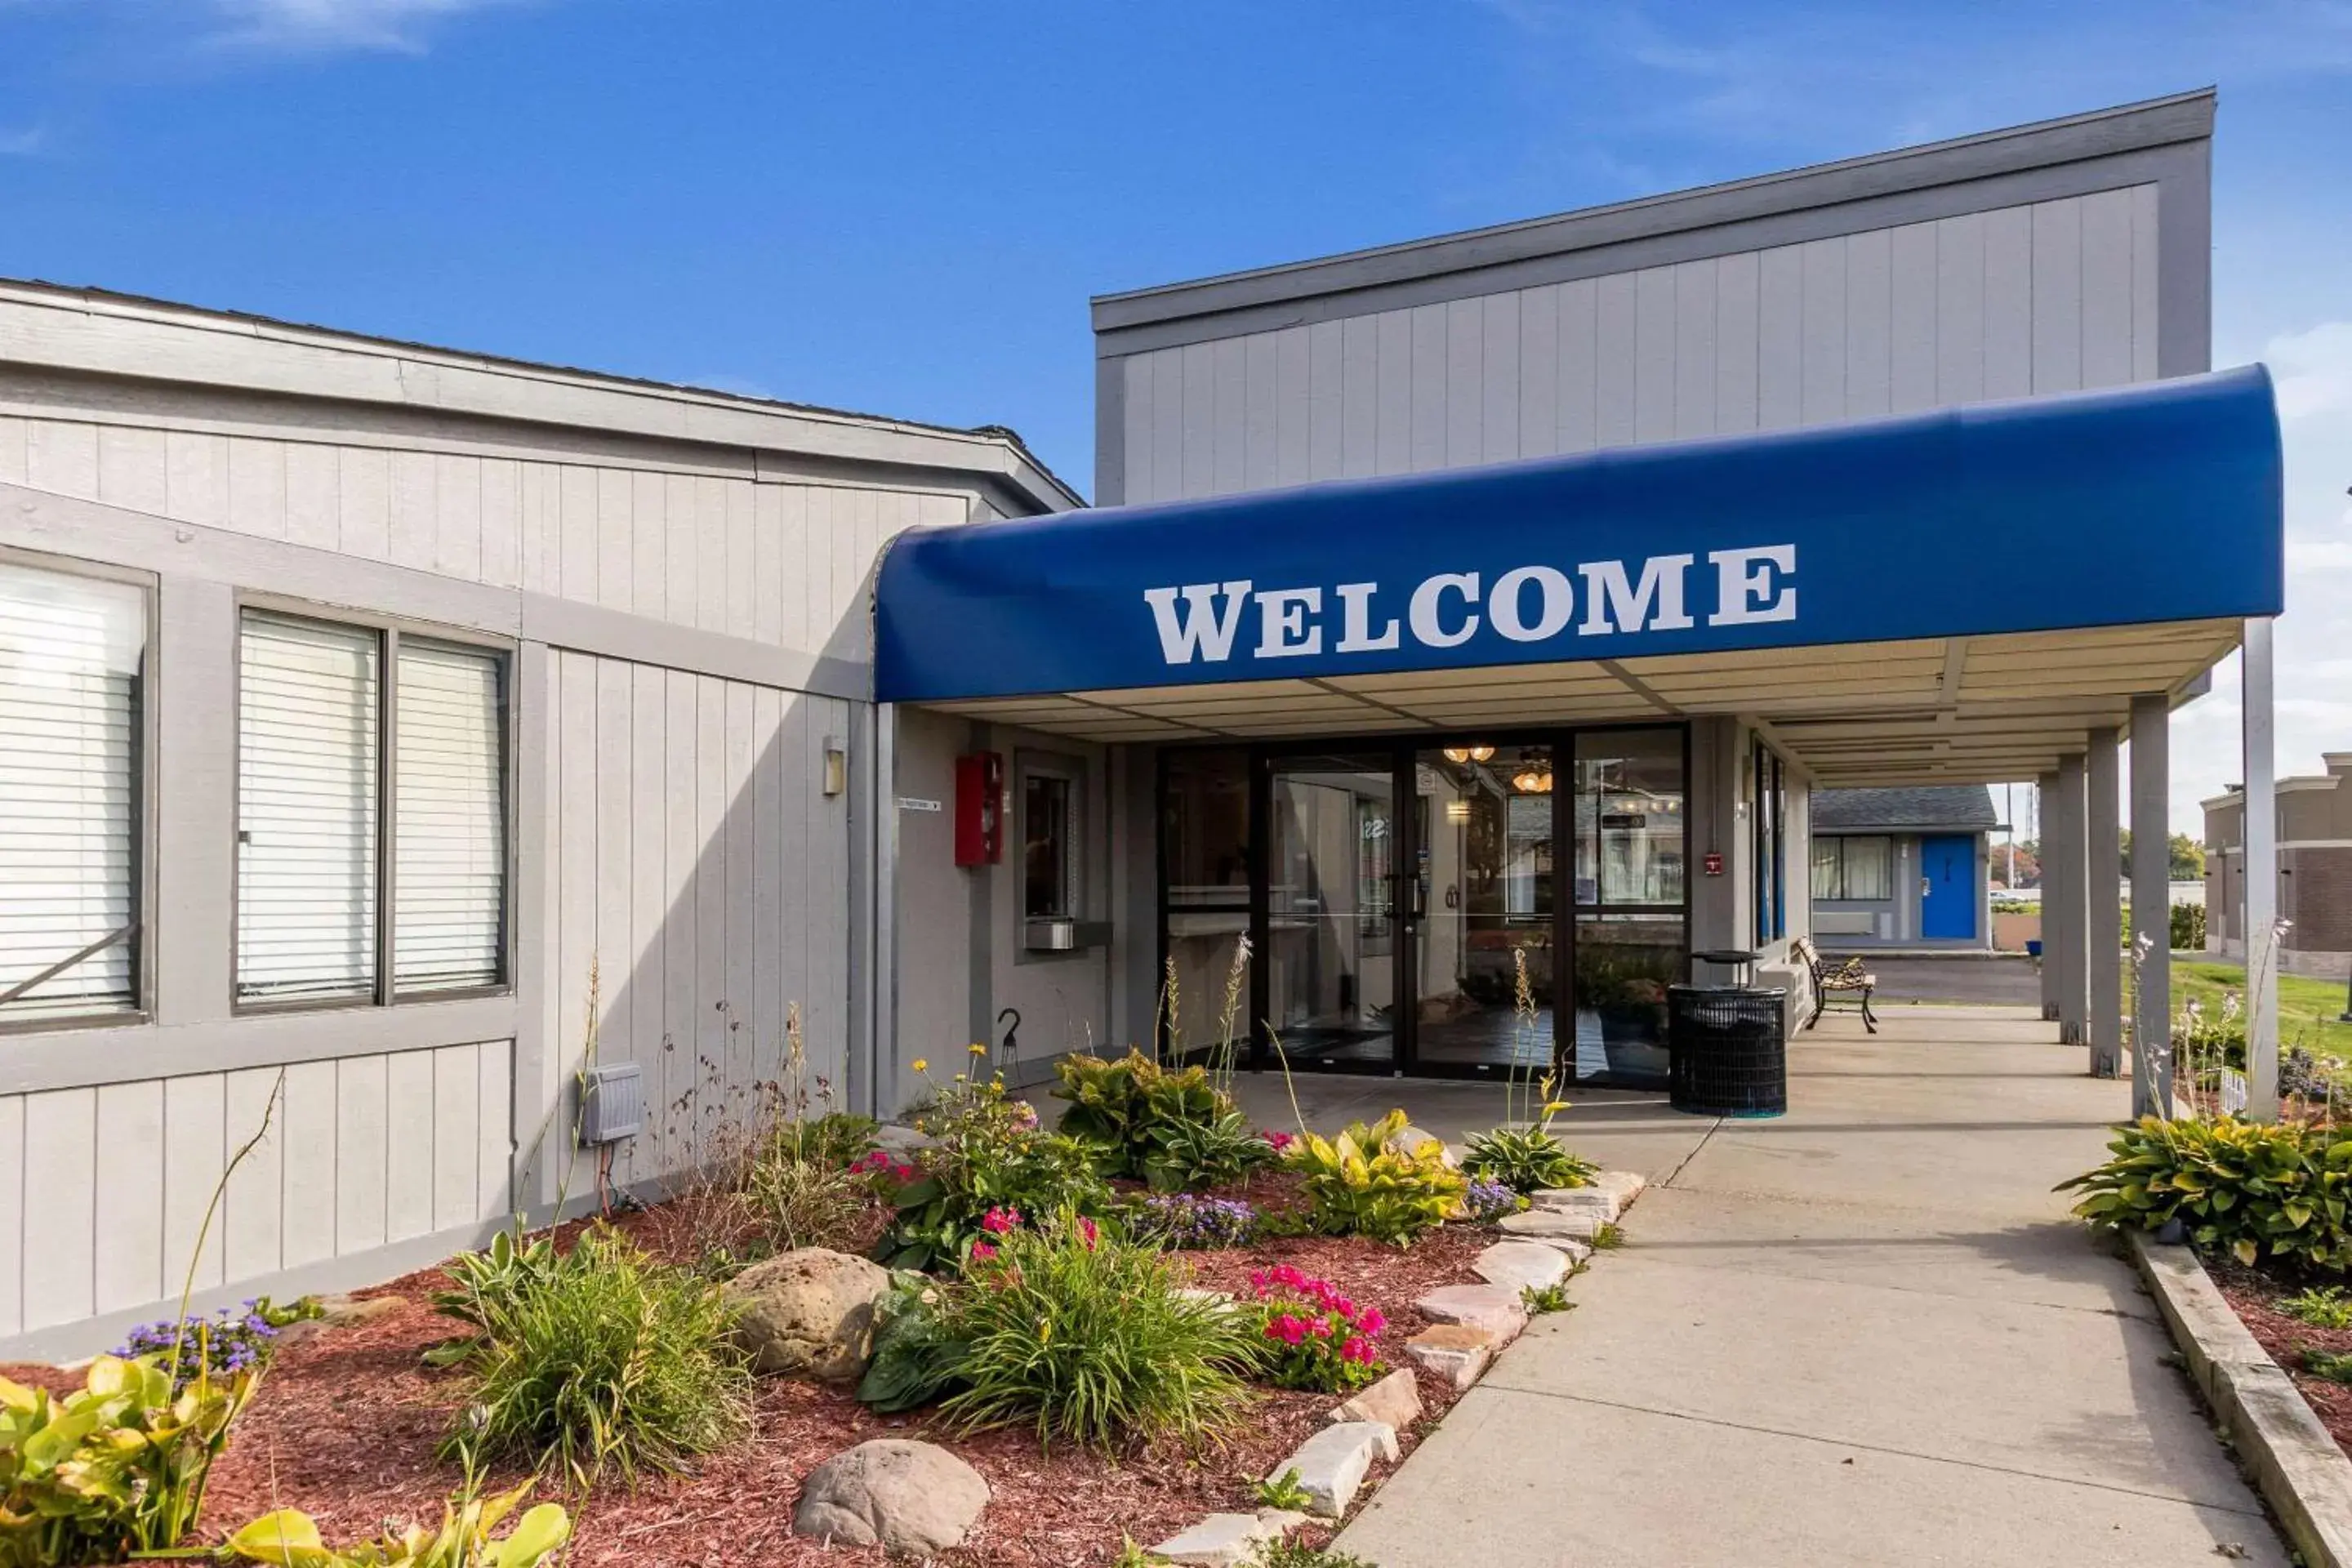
{"points": [[1201, 630], [1745, 590], [1608, 597], [1282, 622], [1421, 612], [1559, 602], [1356, 621]]}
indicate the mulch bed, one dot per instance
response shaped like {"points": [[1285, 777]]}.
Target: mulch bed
{"points": [[347, 1422], [2255, 1297]]}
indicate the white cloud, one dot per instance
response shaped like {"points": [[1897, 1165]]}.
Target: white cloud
{"points": [[2313, 371], [23, 142], [327, 25]]}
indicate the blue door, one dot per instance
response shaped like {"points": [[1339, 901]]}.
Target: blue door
{"points": [[1948, 886]]}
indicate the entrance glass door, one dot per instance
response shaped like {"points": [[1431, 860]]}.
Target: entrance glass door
{"points": [[1333, 930], [1486, 940]]}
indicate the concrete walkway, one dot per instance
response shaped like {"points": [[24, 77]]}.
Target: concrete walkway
{"points": [[1866, 1334]]}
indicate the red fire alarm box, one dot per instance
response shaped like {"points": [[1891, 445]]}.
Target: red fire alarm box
{"points": [[1713, 863], [980, 809]]}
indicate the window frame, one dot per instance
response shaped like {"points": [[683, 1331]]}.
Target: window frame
{"points": [[1075, 779], [146, 883], [1843, 894], [388, 630]]}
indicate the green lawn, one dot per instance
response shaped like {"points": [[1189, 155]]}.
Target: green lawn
{"points": [[2308, 1009]]}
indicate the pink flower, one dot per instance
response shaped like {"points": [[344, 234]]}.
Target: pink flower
{"points": [[902, 1174], [981, 1251], [1357, 1350], [1372, 1322], [999, 1222], [1278, 1141], [1087, 1229]]}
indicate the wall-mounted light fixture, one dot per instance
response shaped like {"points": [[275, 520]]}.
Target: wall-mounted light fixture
{"points": [[1458, 754], [1534, 781], [836, 765]]}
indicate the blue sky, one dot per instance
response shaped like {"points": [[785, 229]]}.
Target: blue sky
{"points": [[904, 208]]}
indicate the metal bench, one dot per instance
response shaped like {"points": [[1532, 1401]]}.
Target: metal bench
{"points": [[1847, 982]]}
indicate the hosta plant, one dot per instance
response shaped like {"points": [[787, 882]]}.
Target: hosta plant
{"points": [[1364, 1182], [1526, 1159], [2261, 1190], [1171, 1127], [116, 1467], [289, 1538]]}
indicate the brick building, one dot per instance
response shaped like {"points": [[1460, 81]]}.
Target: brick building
{"points": [[2314, 860]]}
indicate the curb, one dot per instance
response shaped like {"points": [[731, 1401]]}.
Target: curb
{"points": [[2290, 1457]]}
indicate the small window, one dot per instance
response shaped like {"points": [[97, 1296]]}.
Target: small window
{"points": [[319, 843], [73, 653], [1858, 867], [1049, 839]]}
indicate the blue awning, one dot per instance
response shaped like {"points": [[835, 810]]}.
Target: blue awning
{"points": [[2154, 503]]}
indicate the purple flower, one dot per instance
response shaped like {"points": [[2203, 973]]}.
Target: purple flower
{"points": [[1490, 1200], [1185, 1220]]}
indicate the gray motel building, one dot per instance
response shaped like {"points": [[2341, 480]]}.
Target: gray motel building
{"points": [[1468, 617]]}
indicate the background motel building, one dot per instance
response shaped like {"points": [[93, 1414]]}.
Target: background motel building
{"points": [[1479, 605]]}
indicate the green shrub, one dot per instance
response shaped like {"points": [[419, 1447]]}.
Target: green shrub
{"points": [[1092, 1339], [610, 1361], [1526, 1159], [1283, 1491], [988, 1155], [2322, 1306], [486, 1286], [2260, 1191], [1360, 1183], [1171, 1127], [915, 1356], [2188, 933], [2336, 1366], [115, 1468], [290, 1537]]}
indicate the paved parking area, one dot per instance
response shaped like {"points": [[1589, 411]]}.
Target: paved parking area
{"points": [[2001, 979], [1866, 1334]]}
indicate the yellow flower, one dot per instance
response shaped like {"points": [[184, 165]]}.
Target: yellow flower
{"points": [[921, 1065], [1555, 1105], [976, 1048]]}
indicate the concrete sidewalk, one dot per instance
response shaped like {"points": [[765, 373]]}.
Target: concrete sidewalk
{"points": [[1866, 1334]]}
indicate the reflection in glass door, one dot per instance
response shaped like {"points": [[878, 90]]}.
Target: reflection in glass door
{"points": [[1332, 926], [1486, 941], [1631, 925]]}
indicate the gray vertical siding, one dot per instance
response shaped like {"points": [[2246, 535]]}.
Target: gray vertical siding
{"points": [[2053, 296]]}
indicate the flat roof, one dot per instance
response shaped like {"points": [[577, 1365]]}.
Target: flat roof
{"points": [[2127, 128], [115, 334]]}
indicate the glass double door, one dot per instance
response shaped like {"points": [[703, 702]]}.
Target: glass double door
{"points": [[1410, 907], [1398, 907]]}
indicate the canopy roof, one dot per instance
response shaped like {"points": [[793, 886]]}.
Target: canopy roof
{"points": [[1946, 596]]}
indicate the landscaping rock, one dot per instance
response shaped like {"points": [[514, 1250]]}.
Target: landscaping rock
{"points": [[1225, 1540], [1624, 1185], [900, 1142], [894, 1493], [1456, 1351], [1523, 1265], [1489, 1307], [1331, 1463], [1576, 1200], [337, 1312], [810, 1312], [1394, 1401], [1552, 1225], [1408, 1139]]}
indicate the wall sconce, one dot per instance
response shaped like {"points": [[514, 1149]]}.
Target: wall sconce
{"points": [[836, 765], [1532, 782], [1458, 754]]}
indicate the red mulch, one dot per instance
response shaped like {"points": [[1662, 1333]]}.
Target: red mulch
{"points": [[2255, 1299], [346, 1424]]}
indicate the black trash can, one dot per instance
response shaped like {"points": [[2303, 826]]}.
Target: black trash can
{"points": [[1728, 1049]]}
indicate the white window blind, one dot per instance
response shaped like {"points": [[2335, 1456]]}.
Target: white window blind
{"points": [[449, 898], [71, 650], [307, 811]]}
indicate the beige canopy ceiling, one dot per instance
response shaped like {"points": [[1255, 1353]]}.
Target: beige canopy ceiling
{"points": [[1936, 711]]}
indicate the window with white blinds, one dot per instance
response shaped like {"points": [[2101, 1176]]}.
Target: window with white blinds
{"points": [[318, 844], [307, 782], [449, 819], [72, 656]]}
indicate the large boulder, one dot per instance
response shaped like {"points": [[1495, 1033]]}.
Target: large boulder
{"points": [[892, 1492], [810, 1312]]}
